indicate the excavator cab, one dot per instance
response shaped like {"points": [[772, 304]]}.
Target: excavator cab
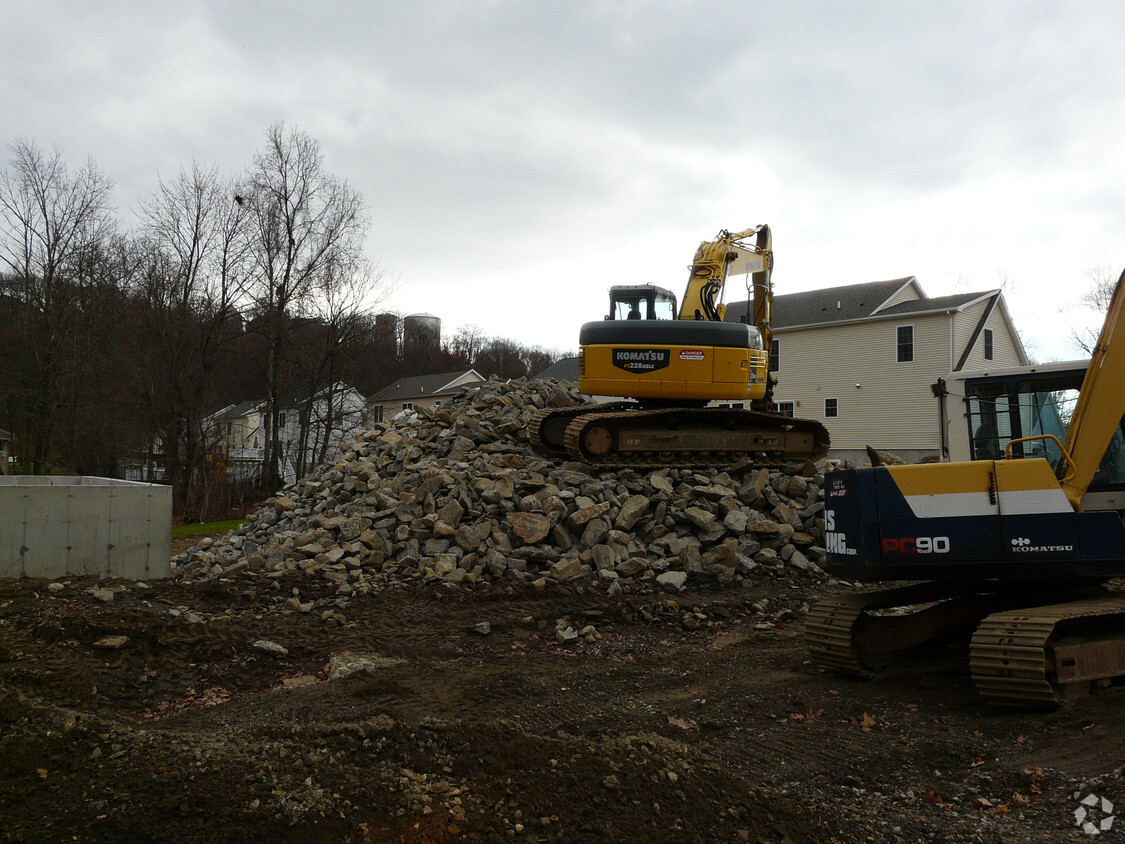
{"points": [[641, 301], [1007, 408]]}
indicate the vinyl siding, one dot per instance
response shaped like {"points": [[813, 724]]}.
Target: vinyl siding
{"points": [[909, 293], [964, 323], [893, 408], [1004, 349]]}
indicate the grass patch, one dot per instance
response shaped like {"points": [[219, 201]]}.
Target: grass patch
{"points": [[206, 527]]}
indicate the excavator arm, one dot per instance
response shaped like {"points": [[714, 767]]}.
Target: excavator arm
{"points": [[714, 259], [1101, 401]]}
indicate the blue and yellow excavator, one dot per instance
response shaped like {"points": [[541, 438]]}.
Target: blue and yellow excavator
{"points": [[1012, 555], [672, 359]]}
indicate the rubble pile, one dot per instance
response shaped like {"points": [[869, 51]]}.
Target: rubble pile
{"points": [[459, 496]]}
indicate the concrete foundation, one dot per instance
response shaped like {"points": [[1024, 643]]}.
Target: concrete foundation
{"points": [[55, 526]]}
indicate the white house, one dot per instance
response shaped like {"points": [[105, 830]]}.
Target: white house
{"points": [[865, 359], [312, 428]]}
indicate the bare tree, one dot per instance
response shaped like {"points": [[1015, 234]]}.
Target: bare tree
{"points": [[502, 357], [195, 268], [1095, 299], [306, 225], [466, 344], [53, 224], [330, 350]]}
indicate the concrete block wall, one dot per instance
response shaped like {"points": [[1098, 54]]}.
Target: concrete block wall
{"points": [[51, 526]]}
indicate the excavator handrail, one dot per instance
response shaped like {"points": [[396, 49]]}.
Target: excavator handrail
{"points": [[1062, 450]]}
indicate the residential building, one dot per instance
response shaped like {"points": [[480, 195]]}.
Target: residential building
{"points": [[313, 428], [419, 392], [236, 434], [5, 445], [866, 359]]}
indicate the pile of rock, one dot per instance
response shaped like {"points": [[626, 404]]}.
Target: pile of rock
{"points": [[460, 497]]}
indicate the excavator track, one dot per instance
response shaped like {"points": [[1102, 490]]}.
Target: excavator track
{"points": [[1023, 654], [706, 436], [547, 428], [1042, 656], [846, 635]]}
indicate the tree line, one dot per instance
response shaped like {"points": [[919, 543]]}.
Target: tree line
{"points": [[226, 289]]}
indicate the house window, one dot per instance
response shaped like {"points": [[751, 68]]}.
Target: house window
{"points": [[786, 408], [905, 343], [281, 419], [831, 408], [775, 356], [408, 405], [377, 413], [437, 403], [988, 344]]}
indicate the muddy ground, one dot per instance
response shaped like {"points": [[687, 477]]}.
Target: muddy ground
{"points": [[694, 717]]}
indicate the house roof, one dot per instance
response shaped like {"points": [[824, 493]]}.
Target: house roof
{"points": [[234, 411], [298, 398], [5, 435], [424, 386], [939, 304], [853, 302], [562, 370]]}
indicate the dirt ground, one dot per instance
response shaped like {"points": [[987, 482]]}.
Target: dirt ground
{"points": [[694, 717]]}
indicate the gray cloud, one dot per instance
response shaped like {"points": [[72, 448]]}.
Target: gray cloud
{"points": [[508, 147]]}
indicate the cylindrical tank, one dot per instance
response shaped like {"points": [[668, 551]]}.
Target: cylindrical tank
{"points": [[421, 332], [387, 332]]}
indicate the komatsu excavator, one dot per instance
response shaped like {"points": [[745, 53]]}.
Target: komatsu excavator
{"points": [[675, 359], [1013, 555]]}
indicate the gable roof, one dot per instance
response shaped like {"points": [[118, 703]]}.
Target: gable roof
{"points": [[424, 386], [939, 304], [298, 398], [234, 411], [561, 370], [855, 302]]}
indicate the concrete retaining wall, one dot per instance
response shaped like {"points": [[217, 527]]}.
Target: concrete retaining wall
{"points": [[54, 526]]}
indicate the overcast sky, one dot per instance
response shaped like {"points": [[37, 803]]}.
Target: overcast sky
{"points": [[518, 158]]}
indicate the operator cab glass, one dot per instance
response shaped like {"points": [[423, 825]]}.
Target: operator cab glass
{"points": [[641, 301], [1003, 409]]}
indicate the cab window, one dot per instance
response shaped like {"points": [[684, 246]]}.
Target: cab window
{"points": [[631, 309]]}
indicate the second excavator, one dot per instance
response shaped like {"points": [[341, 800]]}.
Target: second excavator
{"points": [[673, 359], [1012, 554]]}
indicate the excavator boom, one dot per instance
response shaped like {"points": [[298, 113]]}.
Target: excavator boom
{"points": [[1101, 401]]}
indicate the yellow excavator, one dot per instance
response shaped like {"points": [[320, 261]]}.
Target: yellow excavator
{"points": [[1010, 556], [672, 359]]}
